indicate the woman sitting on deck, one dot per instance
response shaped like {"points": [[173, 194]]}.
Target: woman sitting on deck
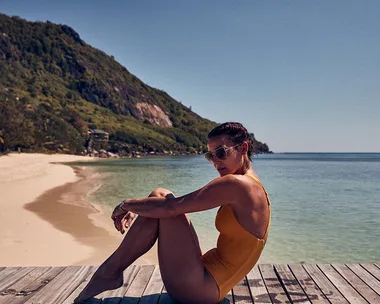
{"points": [[242, 220]]}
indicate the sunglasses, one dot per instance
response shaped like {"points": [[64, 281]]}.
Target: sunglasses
{"points": [[220, 153]]}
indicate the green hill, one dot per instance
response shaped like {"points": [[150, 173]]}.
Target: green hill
{"points": [[54, 88]]}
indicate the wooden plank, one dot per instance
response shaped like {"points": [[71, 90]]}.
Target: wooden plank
{"points": [[153, 290], [138, 285], [7, 272], [273, 285], [294, 290], [328, 289], [13, 278], [70, 299], [61, 286], [311, 289], [346, 289], [241, 294], [35, 286], [372, 269], [256, 285], [359, 285], [370, 280], [165, 298], [11, 290], [352, 283], [117, 295], [68, 286]]}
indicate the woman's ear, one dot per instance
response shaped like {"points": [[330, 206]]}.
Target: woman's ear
{"points": [[244, 147]]}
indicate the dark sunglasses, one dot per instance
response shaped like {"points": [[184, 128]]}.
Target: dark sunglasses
{"points": [[220, 153]]}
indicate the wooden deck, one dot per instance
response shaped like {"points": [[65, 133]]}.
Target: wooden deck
{"points": [[295, 283]]}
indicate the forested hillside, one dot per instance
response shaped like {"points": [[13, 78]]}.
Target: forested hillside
{"points": [[54, 88]]}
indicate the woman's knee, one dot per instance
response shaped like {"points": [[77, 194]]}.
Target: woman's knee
{"points": [[161, 192]]}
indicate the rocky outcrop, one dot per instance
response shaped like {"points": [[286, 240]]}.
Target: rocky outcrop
{"points": [[152, 113]]}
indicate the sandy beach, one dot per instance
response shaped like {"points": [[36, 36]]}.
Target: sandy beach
{"points": [[45, 215]]}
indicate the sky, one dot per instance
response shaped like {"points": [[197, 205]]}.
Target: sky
{"points": [[303, 76]]}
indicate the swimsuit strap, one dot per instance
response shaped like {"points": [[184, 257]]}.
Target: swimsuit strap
{"points": [[258, 181], [266, 194]]}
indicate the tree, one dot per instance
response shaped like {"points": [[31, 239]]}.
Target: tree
{"points": [[15, 128]]}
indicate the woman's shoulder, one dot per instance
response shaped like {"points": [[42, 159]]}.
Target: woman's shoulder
{"points": [[253, 187], [246, 178], [242, 185]]}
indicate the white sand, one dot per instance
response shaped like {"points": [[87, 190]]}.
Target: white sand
{"points": [[26, 239], [63, 228]]}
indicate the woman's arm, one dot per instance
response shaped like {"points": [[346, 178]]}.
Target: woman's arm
{"points": [[228, 189]]}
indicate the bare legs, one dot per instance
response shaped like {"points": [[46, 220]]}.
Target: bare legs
{"points": [[179, 255], [180, 259], [139, 239]]}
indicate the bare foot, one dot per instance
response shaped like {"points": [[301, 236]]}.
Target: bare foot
{"points": [[97, 285]]}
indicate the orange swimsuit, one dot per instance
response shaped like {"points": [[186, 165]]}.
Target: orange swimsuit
{"points": [[237, 250]]}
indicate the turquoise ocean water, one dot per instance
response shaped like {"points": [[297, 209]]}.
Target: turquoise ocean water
{"points": [[325, 206]]}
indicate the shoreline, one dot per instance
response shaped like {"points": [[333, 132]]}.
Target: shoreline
{"points": [[46, 218], [89, 223]]}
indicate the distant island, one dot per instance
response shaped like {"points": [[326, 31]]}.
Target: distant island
{"points": [[59, 94]]}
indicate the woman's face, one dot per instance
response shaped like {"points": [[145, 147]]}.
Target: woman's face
{"points": [[230, 159]]}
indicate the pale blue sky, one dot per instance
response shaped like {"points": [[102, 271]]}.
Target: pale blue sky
{"points": [[304, 76]]}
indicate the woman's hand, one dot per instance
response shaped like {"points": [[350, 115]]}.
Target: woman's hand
{"points": [[122, 218]]}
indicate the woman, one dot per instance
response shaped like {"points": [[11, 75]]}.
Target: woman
{"points": [[242, 220]]}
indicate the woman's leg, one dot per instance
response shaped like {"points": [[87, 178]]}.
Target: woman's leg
{"points": [[139, 239], [180, 258]]}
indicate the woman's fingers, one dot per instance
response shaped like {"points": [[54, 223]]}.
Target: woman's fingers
{"points": [[122, 226], [127, 220], [122, 221], [130, 218], [118, 225], [117, 222], [118, 212]]}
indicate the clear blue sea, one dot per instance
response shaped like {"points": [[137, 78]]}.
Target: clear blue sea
{"points": [[325, 206]]}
